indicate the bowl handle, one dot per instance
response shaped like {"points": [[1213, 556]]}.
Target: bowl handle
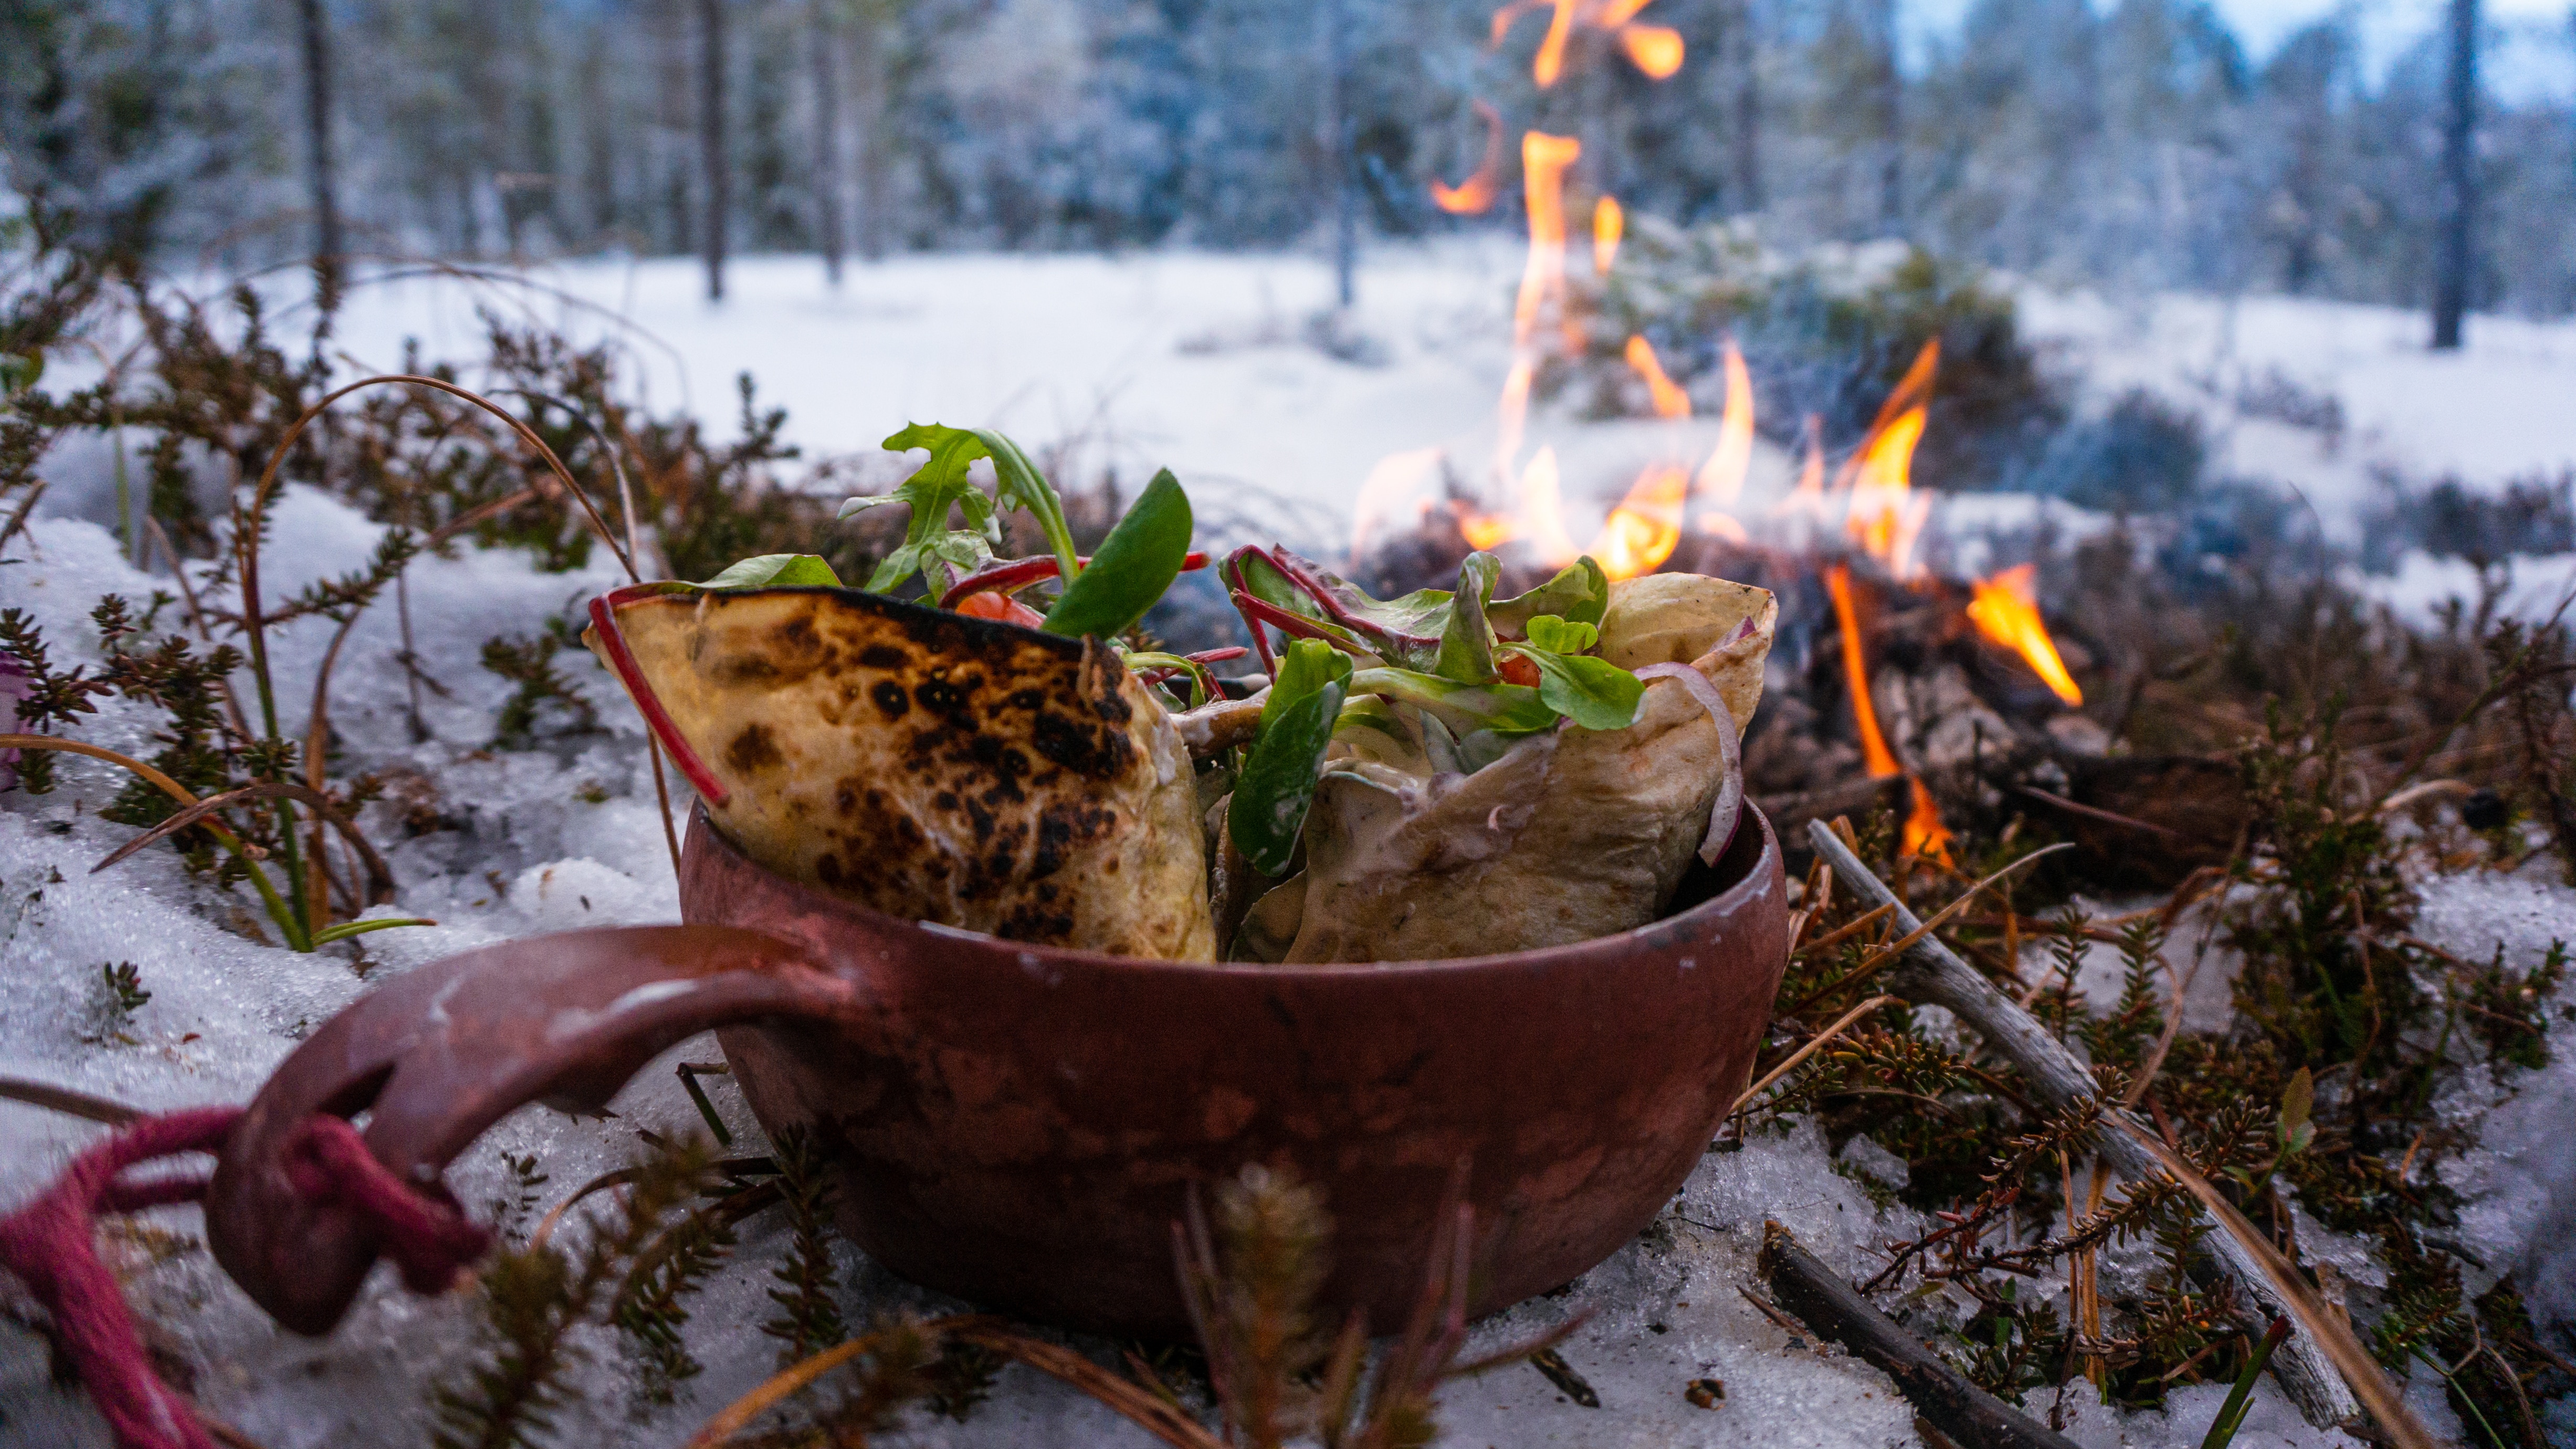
{"points": [[451, 1048]]}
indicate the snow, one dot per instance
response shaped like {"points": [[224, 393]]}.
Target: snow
{"points": [[559, 838], [1190, 360]]}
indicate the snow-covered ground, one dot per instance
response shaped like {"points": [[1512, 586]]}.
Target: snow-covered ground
{"points": [[1190, 360], [1201, 362]]}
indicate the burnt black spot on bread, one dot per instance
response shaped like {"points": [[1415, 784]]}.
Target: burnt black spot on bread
{"points": [[1091, 750], [890, 698], [883, 656], [754, 751], [1064, 825]]}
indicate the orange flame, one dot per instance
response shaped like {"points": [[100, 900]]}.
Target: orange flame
{"points": [[1875, 755], [1670, 400], [1721, 478], [1609, 223], [1544, 159], [1654, 49], [1477, 192], [1884, 518], [1646, 527], [1539, 519], [1924, 832], [1549, 63], [2006, 610]]}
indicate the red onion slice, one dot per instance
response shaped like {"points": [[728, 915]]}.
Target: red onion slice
{"points": [[1730, 787]]}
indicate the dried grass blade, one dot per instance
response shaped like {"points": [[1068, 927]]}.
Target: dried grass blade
{"points": [[380, 877], [789, 1380], [1896, 949], [1137, 1403], [2332, 1334], [1847, 930], [1821, 1040], [66, 1101]]}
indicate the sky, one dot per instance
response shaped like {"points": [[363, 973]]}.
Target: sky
{"points": [[2533, 56]]}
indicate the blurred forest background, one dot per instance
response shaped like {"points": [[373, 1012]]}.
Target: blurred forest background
{"points": [[2135, 144]]}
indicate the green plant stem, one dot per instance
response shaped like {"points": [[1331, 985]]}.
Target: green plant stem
{"points": [[2462, 1394], [277, 911], [2232, 1413], [346, 929]]}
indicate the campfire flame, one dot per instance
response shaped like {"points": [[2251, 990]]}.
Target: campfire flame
{"points": [[1721, 478], [1646, 527], [1924, 832], [1875, 756], [1549, 63], [1670, 400], [1609, 223], [1654, 49], [1476, 194], [1544, 159], [2006, 610], [1885, 516]]}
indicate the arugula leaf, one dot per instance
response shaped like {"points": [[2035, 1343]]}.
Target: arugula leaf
{"points": [[776, 571], [1580, 593], [1276, 786], [1594, 693], [931, 491], [1017, 484], [1133, 568], [1466, 641]]}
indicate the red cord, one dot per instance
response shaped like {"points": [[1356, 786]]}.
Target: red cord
{"points": [[51, 1244]]}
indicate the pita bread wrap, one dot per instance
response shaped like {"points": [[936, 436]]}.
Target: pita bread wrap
{"points": [[934, 766], [1571, 834]]}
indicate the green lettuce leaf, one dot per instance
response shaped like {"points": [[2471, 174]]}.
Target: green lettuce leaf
{"points": [[1277, 783], [1594, 693], [1580, 594], [1466, 640]]}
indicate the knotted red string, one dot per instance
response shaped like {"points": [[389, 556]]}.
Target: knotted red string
{"points": [[51, 1245]]}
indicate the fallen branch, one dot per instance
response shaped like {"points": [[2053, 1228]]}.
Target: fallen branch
{"points": [[1835, 1311], [2313, 1371]]}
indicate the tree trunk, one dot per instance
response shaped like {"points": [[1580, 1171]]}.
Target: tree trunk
{"points": [[1744, 59], [875, 87], [2459, 178], [715, 163], [1891, 128], [827, 139], [322, 172], [1337, 138]]}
